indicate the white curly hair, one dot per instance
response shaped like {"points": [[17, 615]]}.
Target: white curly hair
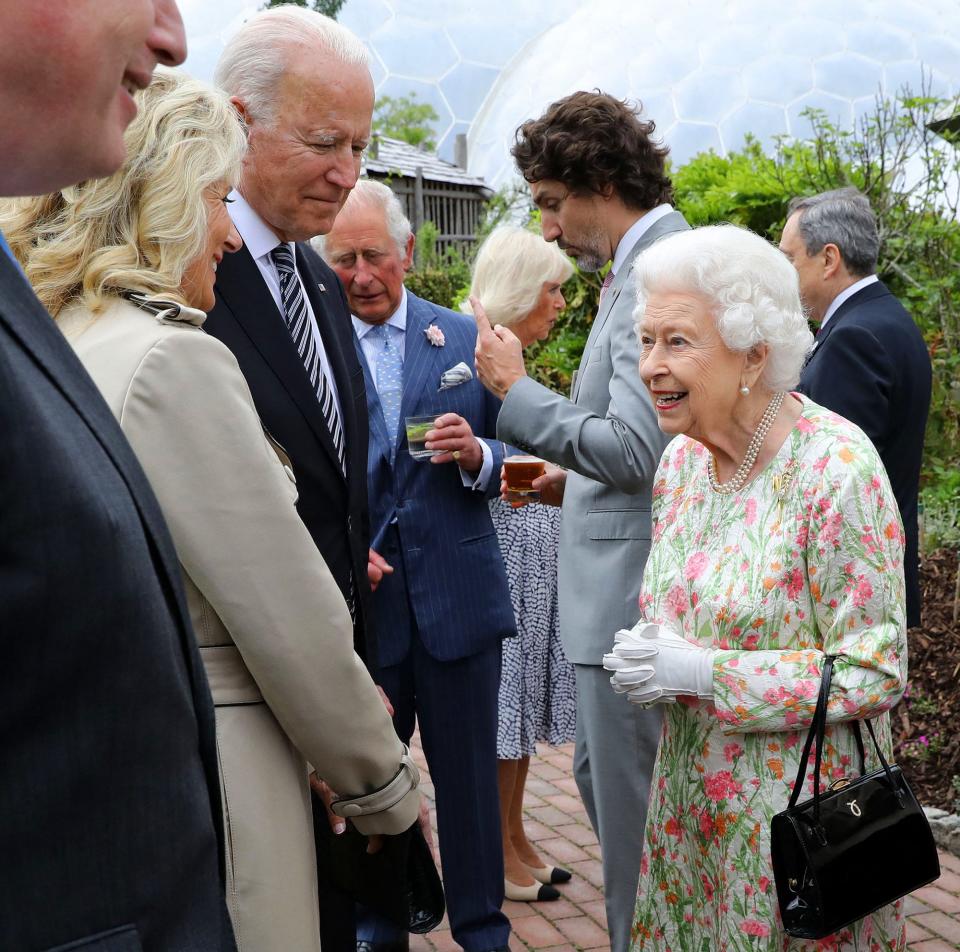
{"points": [[752, 288]]}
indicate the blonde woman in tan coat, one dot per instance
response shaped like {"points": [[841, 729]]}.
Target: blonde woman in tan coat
{"points": [[126, 265]]}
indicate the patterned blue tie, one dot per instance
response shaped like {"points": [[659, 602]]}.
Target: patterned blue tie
{"points": [[389, 380]]}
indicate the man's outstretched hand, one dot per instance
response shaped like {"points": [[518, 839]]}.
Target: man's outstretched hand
{"points": [[499, 354]]}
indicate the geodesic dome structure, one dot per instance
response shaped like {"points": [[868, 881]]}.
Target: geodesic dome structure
{"points": [[706, 71]]}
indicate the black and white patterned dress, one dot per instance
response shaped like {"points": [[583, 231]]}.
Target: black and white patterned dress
{"points": [[537, 689]]}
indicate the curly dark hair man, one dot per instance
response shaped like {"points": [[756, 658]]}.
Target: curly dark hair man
{"points": [[597, 176], [591, 141]]}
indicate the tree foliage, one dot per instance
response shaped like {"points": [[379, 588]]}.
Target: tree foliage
{"points": [[329, 8], [402, 117], [912, 178]]}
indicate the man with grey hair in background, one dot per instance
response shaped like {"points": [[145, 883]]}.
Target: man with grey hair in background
{"points": [[301, 85], [446, 603], [869, 362]]}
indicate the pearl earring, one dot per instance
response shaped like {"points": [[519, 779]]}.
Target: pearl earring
{"points": [[745, 390]]}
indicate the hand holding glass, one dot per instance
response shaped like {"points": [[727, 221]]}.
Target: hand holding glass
{"points": [[417, 428], [519, 473]]}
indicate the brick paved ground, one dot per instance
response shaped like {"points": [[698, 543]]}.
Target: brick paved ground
{"points": [[558, 825]]}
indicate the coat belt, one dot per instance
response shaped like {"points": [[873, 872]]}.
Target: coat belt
{"points": [[230, 681]]}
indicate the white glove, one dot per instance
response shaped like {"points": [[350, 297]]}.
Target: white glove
{"points": [[651, 663]]}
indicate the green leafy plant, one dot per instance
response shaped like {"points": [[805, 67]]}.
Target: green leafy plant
{"points": [[329, 8], [440, 277], [922, 748], [912, 178], [402, 117], [923, 705]]}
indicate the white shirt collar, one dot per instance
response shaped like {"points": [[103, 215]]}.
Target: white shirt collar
{"points": [[636, 231], [397, 319], [257, 235], [845, 295]]}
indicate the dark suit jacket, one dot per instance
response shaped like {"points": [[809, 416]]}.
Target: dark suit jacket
{"points": [[453, 576], [871, 365], [333, 509], [110, 817]]}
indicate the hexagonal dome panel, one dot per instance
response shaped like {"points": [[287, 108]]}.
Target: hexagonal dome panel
{"points": [[777, 78], [416, 48], [837, 110], [849, 75], [529, 54], [708, 94], [761, 120]]}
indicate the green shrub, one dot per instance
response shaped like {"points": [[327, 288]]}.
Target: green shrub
{"points": [[912, 179]]}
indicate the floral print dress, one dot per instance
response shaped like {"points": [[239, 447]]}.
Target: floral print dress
{"points": [[806, 560]]}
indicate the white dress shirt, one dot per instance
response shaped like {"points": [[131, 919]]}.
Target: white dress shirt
{"points": [[260, 241], [636, 231], [368, 345], [845, 295]]}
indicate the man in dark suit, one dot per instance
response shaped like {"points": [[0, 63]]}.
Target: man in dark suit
{"points": [[301, 85], [446, 606], [279, 308], [109, 798], [869, 362]]}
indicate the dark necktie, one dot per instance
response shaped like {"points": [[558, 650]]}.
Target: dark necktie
{"points": [[297, 316]]}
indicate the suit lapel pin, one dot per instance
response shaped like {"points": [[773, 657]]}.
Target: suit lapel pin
{"points": [[322, 288]]}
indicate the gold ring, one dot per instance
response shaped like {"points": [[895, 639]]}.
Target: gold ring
{"points": [[456, 454]]}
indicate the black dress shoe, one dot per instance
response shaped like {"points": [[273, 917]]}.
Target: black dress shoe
{"points": [[394, 945], [550, 874]]}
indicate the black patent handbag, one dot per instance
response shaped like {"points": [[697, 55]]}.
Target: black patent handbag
{"points": [[844, 853]]}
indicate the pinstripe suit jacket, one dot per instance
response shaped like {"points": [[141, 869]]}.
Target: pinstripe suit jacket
{"points": [[452, 572]]}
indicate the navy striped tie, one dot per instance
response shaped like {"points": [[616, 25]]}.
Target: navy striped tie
{"points": [[297, 316]]}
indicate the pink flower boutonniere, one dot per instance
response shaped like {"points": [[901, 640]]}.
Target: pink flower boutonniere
{"points": [[434, 335]]}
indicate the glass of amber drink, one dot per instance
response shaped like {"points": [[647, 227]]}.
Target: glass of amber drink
{"points": [[520, 472]]}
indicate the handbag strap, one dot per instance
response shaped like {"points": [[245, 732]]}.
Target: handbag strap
{"points": [[816, 736]]}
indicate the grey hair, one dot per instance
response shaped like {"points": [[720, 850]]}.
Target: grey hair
{"points": [[841, 217], [369, 193], [752, 288], [257, 55], [510, 270]]}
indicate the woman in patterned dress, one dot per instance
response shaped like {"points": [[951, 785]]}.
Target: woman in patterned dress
{"points": [[777, 541], [518, 277]]}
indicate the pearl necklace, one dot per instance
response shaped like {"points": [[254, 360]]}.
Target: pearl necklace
{"points": [[738, 479]]}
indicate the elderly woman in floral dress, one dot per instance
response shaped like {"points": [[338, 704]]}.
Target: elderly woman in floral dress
{"points": [[777, 542]]}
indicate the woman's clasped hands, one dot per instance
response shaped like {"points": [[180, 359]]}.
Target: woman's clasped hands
{"points": [[652, 664]]}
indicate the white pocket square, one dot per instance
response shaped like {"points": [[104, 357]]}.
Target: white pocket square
{"points": [[456, 375]]}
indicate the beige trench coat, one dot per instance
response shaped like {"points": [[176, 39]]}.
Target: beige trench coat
{"points": [[274, 631]]}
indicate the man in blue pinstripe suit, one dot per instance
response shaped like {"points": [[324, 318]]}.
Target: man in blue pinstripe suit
{"points": [[442, 606]]}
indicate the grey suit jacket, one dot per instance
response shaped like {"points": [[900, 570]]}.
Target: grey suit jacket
{"points": [[607, 436]]}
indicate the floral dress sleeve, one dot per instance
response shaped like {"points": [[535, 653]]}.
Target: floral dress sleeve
{"points": [[836, 577]]}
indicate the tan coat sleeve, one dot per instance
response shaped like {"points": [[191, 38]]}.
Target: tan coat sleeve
{"points": [[229, 503]]}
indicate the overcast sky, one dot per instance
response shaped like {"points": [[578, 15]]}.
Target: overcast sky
{"points": [[207, 25]]}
